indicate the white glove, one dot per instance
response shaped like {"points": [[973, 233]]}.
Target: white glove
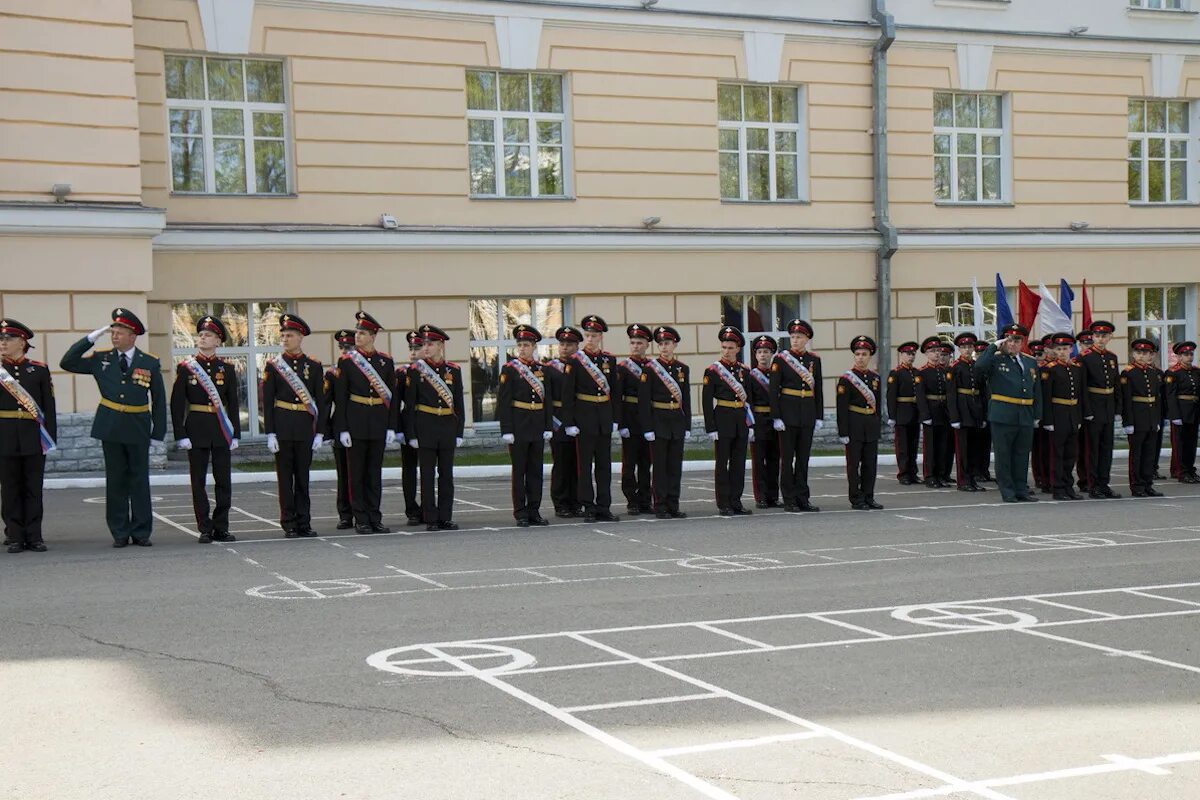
{"points": [[927, 422], [751, 436], [273, 442], [956, 425], [413, 443], [983, 424], [778, 425], [891, 423], [1128, 430], [648, 436], [844, 439], [713, 436], [546, 435], [389, 437], [344, 438], [1089, 419], [687, 435], [624, 433], [571, 430], [95, 335], [820, 424], [1048, 428], [400, 437], [614, 430], [233, 444], [508, 438], [185, 444], [157, 446], [1176, 422], [1157, 428], [318, 440], [458, 441]]}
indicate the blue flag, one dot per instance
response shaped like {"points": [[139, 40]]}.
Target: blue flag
{"points": [[1065, 296], [1004, 316]]}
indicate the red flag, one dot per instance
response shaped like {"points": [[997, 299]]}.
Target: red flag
{"points": [[1087, 308], [1028, 301]]}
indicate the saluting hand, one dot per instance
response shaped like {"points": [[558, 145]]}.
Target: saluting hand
{"points": [[95, 335]]}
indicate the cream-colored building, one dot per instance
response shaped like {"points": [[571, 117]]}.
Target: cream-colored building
{"points": [[473, 163]]}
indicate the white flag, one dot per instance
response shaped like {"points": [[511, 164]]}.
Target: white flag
{"points": [[977, 299], [1050, 318]]}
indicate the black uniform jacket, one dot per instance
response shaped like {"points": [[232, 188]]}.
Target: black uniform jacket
{"points": [[657, 407], [902, 395], [1141, 398], [1103, 373], [202, 427], [725, 420], [428, 417], [631, 386], [793, 400], [1182, 388], [966, 400], [19, 435], [856, 418], [357, 405], [522, 411], [585, 403], [1065, 399], [290, 421], [932, 385]]}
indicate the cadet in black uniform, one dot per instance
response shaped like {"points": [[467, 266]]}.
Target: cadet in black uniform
{"points": [[1064, 408], [592, 393], [564, 474], [1182, 383], [1040, 457], [410, 459], [1103, 372], [208, 426], [902, 413], [344, 341], [984, 433], [1084, 340], [964, 402], [665, 408], [931, 384], [635, 450], [798, 408], [28, 431], [434, 426], [859, 424], [365, 419], [728, 420], [1141, 415], [294, 413], [526, 424], [764, 450]]}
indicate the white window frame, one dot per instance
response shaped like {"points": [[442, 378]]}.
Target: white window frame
{"points": [[1191, 140], [1159, 5], [799, 127], [964, 299], [532, 118], [1188, 321], [1004, 157], [805, 308], [205, 107], [545, 348]]}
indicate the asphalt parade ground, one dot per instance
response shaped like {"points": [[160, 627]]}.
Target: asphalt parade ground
{"points": [[949, 646]]}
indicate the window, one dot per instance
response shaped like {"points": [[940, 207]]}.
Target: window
{"points": [[1160, 313], [1164, 5], [759, 142], [1158, 151], [227, 125], [969, 149], [756, 314], [954, 313], [253, 338], [492, 321], [516, 134]]}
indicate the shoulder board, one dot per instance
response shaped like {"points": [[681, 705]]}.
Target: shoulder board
{"points": [[102, 350], [151, 355], [35, 363], [315, 361], [815, 355], [606, 353], [452, 364], [385, 355], [343, 356]]}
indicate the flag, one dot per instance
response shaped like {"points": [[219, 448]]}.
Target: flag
{"points": [[1027, 303], [1065, 296], [977, 301], [1004, 316], [1050, 318], [1087, 308]]}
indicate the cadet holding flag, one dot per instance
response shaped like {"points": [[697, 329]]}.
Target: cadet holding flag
{"points": [[665, 407], [859, 424], [132, 414], [526, 424], [28, 431]]}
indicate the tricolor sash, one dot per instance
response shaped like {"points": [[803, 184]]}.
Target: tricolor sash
{"points": [[586, 362], [634, 368], [799, 369], [214, 397], [668, 381], [372, 375], [25, 400], [293, 380], [435, 380], [859, 384], [762, 379], [737, 387], [534, 381], [554, 364]]}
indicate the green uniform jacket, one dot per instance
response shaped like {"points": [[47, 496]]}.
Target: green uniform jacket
{"points": [[1011, 377], [142, 385]]}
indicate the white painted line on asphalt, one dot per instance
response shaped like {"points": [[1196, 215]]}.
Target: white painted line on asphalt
{"points": [[1111, 650], [729, 634], [914, 519], [735, 744], [543, 575], [176, 525], [650, 572], [1163, 597], [652, 701], [1076, 608], [476, 505], [256, 516], [415, 576], [849, 626], [361, 555]]}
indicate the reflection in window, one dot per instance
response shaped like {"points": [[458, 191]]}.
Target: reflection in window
{"points": [[491, 322]]}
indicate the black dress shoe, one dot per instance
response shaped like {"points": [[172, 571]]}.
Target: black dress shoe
{"points": [[120, 542], [290, 533], [522, 523], [415, 521], [905, 481], [633, 511], [308, 533], [1152, 492], [806, 506], [1096, 494], [364, 529], [966, 487], [205, 538], [589, 518], [448, 526], [539, 521], [725, 512], [380, 529], [859, 505], [1110, 494], [663, 515], [1059, 496], [37, 547], [742, 512], [607, 516], [1026, 498], [774, 504], [143, 543], [762, 504], [16, 547], [871, 504], [564, 513], [976, 487], [224, 536], [1072, 494], [345, 524], [433, 526], [792, 509], [1138, 493], [678, 514]]}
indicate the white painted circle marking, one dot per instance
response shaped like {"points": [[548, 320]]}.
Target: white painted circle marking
{"points": [[385, 660], [733, 562], [310, 590], [1065, 540], [963, 617]]}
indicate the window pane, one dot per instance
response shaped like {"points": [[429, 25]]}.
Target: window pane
{"points": [[269, 125], [516, 130], [266, 321], [234, 317], [1133, 303], [943, 110], [991, 145], [1158, 148], [481, 91], [1178, 149], [1178, 181], [989, 111], [225, 79], [227, 122], [1177, 121], [240, 364], [549, 132], [730, 189], [517, 311], [941, 178], [481, 130], [1154, 304], [966, 311], [757, 102], [550, 180], [270, 167], [757, 139], [1135, 181], [514, 92], [966, 111], [758, 312], [187, 164], [1175, 334], [968, 188], [229, 160], [785, 141], [184, 78], [483, 320], [1175, 303], [548, 314], [731, 310], [1156, 116], [1137, 116], [485, 382], [1157, 176], [727, 140], [941, 143], [991, 179], [787, 308], [183, 323], [729, 102], [966, 144], [758, 176], [547, 94], [186, 121], [943, 310], [784, 107], [264, 81], [1135, 148], [516, 171], [483, 169], [785, 178]]}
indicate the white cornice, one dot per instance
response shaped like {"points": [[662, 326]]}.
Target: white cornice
{"points": [[69, 220], [1049, 240]]}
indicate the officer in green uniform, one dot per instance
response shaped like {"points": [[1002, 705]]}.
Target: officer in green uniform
{"points": [[28, 427], [1014, 410], [132, 414]]}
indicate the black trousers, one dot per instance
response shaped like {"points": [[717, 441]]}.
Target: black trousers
{"points": [[198, 460], [979, 452], [1041, 459], [127, 490], [730, 471], [668, 473], [527, 477], [937, 446], [410, 479], [341, 463], [292, 465], [437, 481], [962, 456], [1063, 449], [21, 497], [1158, 445], [564, 475], [795, 447], [1183, 449], [764, 464], [1143, 458], [1099, 455], [635, 469], [908, 439], [594, 461], [366, 480], [862, 466]]}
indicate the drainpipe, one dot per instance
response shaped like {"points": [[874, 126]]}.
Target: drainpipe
{"points": [[883, 223]]}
